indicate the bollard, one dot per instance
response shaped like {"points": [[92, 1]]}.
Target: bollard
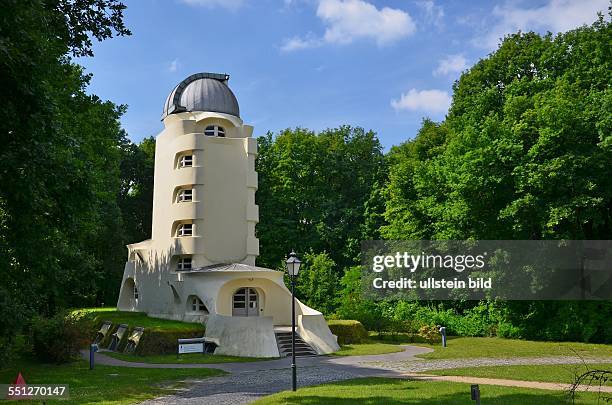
{"points": [[443, 333], [93, 348], [476, 393]]}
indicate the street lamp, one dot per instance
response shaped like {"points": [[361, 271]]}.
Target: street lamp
{"points": [[293, 267]]}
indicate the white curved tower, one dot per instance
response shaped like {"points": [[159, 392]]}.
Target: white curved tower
{"points": [[204, 196], [200, 261]]}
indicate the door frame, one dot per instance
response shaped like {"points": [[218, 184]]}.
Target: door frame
{"points": [[250, 301]]}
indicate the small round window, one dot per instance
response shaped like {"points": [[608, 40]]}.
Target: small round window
{"points": [[214, 130]]}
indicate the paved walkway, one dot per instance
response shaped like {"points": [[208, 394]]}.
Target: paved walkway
{"points": [[249, 381]]}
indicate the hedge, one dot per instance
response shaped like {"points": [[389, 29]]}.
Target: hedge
{"points": [[348, 331], [153, 341]]}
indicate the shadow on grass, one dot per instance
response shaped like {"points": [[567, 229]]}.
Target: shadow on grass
{"points": [[396, 391]]}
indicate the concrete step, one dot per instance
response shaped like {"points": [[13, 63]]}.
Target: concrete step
{"points": [[302, 349]]}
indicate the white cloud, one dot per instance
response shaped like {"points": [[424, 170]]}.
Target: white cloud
{"points": [[430, 101], [174, 65], [297, 43], [434, 14], [450, 65], [228, 4], [555, 16], [349, 20]]}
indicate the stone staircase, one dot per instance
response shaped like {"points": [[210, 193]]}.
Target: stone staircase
{"points": [[283, 340]]}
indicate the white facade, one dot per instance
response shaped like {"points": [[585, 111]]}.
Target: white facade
{"points": [[199, 264]]}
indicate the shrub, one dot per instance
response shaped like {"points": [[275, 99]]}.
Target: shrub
{"points": [[153, 341], [161, 342], [430, 333], [58, 339], [348, 331]]}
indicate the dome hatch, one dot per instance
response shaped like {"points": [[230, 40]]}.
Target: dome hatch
{"points": [[202, 92]]}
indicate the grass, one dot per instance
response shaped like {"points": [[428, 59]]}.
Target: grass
{"points": [[398, 391], [110, 385], [138, 319], [478, 347], [189, 358], [557, 373], [361, 349]]}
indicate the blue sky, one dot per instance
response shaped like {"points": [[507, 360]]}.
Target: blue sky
{"points": [[381, 65]]}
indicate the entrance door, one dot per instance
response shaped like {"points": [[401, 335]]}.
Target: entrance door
{"points": [[245, 302]]}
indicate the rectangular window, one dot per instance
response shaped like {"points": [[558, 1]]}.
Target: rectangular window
{"points": [[186, 161], [184, 263], [185, 195], [185, 230]]}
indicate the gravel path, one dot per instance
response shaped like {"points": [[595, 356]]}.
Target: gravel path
{"points": [[420, 365], [243, 388], [250, 381]]}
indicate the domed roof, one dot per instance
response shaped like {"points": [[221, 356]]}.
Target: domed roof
{"points": [[202, 92]]}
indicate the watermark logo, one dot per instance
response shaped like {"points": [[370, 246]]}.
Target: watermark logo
{"points": [[475, 270]]}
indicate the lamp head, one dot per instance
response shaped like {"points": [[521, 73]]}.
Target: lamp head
{"points": [[293, 264]]}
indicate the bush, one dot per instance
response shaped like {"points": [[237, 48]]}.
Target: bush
{"points": [[58, 339], [430, 333], [348, 331], [153, 341], [160, 342]]}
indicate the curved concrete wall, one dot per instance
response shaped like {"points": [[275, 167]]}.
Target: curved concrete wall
{"points": [[243, 336]]}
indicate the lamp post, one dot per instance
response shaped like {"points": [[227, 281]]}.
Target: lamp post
{"points": [[293, 267]]}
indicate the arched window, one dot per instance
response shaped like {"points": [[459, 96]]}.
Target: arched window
{"points": [[135, 292], [184, 195], [214, 130], [185, 161], [184, 230], [196, 305]]}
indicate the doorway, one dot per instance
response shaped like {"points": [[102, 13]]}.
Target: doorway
{"points": [[245, 302]]}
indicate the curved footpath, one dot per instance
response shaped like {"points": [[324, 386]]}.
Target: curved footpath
{"points": [[249, 381]]}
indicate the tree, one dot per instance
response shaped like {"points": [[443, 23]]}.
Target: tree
{"points": [[59, 159], [318, 282], [313, 190], [524, 153]]}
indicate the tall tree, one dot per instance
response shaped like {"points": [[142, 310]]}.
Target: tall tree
{"points": [[524, 153], [59, 157], [313, 190]]}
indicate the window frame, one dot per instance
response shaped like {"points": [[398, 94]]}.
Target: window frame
{"points": [[181, 230], [197, 306], [183, 159], [215, 130], [181, 195], [181, 264]]}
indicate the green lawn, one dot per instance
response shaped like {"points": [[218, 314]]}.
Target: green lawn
{"points": [[396, 391], [558, 373], [467, 348], [138, 319], [190, 358], [367, 348], [111, 385]]}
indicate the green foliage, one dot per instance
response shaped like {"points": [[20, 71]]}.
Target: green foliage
{"points": [[58, 339], [60, 227], [160, 335], [162, 341], [430, 333], [524, 153], [99, 315], [348, 331], [313, 191], [317, 282]]}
